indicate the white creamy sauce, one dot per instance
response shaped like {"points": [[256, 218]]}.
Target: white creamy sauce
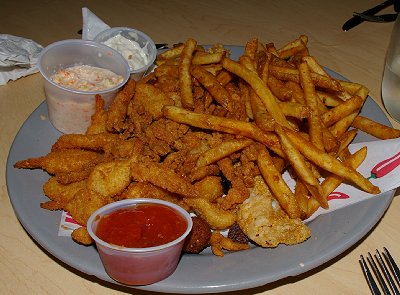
{"points": [[86, 78], [136, 56]]}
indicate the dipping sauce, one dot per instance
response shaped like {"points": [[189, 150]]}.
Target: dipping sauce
{"points": [[86, 78], [136, 56], [141, 226]]}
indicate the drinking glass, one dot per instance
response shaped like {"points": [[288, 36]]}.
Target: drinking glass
{"points": [[391, 75]]}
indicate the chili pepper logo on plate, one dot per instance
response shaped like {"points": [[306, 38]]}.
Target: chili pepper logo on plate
{"points": [[386, 166]]}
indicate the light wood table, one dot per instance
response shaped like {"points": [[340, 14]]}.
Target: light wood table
{"points": [[357, 54]]}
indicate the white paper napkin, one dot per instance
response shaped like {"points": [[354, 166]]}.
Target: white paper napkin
{"points": [[381, 166], [18, 57], [92, 25]]}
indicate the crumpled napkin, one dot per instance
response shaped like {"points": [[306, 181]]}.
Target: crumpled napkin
{"points": [[18, 57], [92, 24]]}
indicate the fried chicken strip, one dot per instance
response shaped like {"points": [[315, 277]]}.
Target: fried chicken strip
{"points": [[163, 177]]}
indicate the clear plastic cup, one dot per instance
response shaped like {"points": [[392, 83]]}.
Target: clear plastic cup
{"points": [[70, 110], [138, 266], [126, 43], [391, 76]]}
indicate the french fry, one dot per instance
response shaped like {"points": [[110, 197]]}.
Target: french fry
{"points": [[259, 87], [293, 47], [299, 164], [301, 195], [329, 163], [313, 206], [314, 120], [251, 48], [265, 69], [277, 185], [314, 65], [342, 110], [222, 150], [185, 79], [329, 99], [172, 53], [291, 74], [279, 89], [205, 58], [262, 118], [294, 109], [231, 126], [341, 126], [351, 87], [297, 92], [245, 94], [374, 128], [345, 140], [331, 182], [331, 144]]}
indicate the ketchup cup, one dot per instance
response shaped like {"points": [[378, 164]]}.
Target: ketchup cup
{"points": [[138, 266]]}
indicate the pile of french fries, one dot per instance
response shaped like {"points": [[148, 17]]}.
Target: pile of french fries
{"points": [[293, 107]]}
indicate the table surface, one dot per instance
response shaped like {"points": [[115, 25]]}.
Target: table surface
{"points": [[357, 54]]}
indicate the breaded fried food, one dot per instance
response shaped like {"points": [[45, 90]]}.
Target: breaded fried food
{"points": [[262, 219], [199, 237], [65, 160], [115, 119], [59, 193], [219, 243], [148, 190], [152, 99], [110, 178], [84, 203], [94, 142], [163, 177], [99, 117], [81, 236], [216, 217]]}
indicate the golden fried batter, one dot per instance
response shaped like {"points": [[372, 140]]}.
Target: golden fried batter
{"points": [[219, 242], [164, 177], [115, 120], [64, 160], [263, 221], [99, 117], [84, 203], [110, 178], [62, 193], [148, 190], [81, 236]]}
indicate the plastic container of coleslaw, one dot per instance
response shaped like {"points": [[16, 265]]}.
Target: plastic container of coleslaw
{"points": [[137, 48], [69, 109]]}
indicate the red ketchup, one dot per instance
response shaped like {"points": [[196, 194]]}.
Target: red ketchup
{"points": [[141, 226]]}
